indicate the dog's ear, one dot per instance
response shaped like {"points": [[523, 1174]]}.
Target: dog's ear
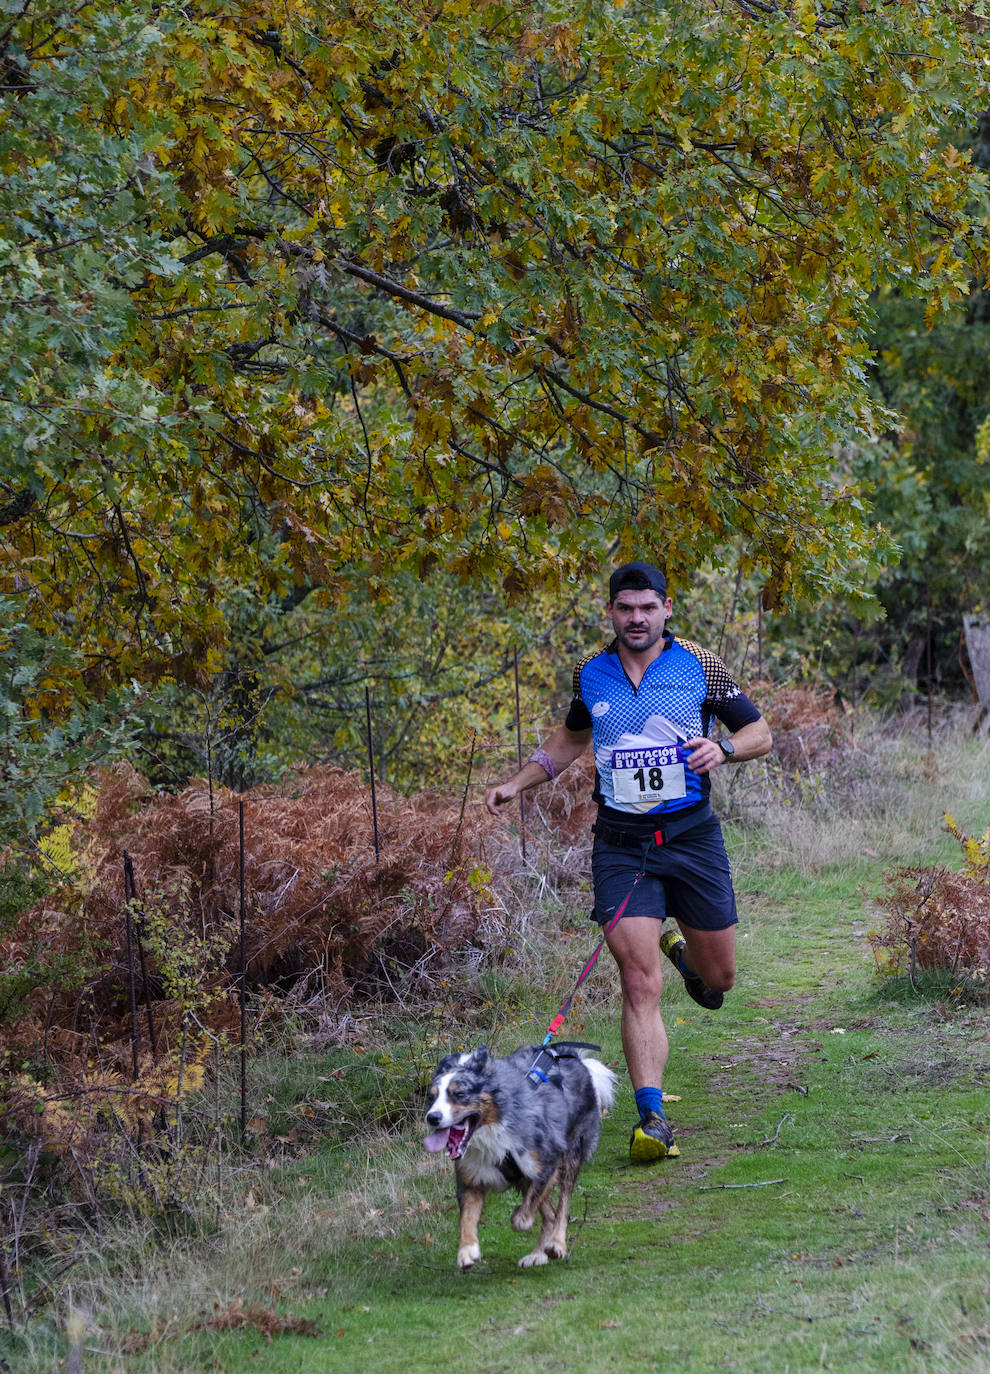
{"points": [[478, 1059], [446, 1064]]}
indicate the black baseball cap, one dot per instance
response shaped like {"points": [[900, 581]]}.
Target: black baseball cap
{"points": [[637, 577]]}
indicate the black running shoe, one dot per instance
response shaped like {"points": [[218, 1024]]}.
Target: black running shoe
{"points": [[672, 944], [652, 1139]]}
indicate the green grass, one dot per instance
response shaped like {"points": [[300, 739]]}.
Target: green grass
{"points": [[830, 1209]]}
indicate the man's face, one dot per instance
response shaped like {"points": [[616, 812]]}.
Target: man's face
{"points": [[638, 619]]}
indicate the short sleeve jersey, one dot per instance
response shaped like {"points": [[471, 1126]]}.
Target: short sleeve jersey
{"points": [[637, 731]]}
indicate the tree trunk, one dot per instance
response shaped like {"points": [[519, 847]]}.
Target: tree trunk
{"points": [[977, 631]]}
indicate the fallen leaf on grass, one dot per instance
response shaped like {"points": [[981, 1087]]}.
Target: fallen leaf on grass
{"points": [[275, 1287], [424, 1205], [135, 1342], [264, 1319]]}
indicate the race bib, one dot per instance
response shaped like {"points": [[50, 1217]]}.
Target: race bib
{"points": [[653, 774]]}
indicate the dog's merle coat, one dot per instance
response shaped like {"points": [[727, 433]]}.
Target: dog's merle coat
{"points": [[504, 1130]]}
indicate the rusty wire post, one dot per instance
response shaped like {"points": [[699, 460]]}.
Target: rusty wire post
{"points": [[371, 769], [464, 796], [129, 927], [243, 978], [130, 891], [5, 1288], [928, 642], [519, 757]]}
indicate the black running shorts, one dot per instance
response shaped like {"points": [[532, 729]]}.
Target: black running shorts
{"points": [[688, 878]]}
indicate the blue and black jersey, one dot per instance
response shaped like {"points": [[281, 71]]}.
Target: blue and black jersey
{"points": [[637, 731]]}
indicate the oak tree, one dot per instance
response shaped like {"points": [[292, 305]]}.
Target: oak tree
{"points": [[300, 290]]}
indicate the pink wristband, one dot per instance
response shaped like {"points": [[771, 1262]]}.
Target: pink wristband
{"points": [[545, 761]]}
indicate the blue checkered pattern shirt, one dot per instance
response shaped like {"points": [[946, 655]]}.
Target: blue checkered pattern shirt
{"points": [[636, 730]]}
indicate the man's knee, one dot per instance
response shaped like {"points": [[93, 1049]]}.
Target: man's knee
{"points": [[716, 967], [720, 979], [641, 985], [641, 989]]}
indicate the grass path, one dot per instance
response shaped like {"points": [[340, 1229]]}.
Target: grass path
{"points": [[830, 1209]]}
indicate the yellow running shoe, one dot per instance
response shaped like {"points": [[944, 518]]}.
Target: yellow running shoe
{"points": [[652, 1140]]}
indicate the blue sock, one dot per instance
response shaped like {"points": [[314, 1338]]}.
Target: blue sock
{"points": [[649, 1100], [685, 970]]}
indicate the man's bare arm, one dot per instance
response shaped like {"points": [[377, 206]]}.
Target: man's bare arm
{"points": [[563, 746]]}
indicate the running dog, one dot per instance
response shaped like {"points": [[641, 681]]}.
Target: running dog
{"points": [[506, 1123]]}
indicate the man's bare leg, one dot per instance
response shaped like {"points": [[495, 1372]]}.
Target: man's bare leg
{"points": [[635, 945]]}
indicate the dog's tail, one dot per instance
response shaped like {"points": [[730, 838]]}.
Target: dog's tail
{"points": [[603, 1080]]}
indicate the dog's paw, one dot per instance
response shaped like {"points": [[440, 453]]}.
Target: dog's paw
{"points": [[467, 1255], [555, 1250], [521, 1219], [536, 1257]]}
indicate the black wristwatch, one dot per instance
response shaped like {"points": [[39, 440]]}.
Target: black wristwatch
{"points": [[727, 748]]}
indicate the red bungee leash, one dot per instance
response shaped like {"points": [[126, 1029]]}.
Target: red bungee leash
{"points": [[534, 1073]]}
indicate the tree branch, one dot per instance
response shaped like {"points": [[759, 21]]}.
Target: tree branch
{"points": [[555, 379], [465, 318]]}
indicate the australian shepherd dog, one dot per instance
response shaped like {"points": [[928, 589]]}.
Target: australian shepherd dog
{"points": [[505, 1126]]}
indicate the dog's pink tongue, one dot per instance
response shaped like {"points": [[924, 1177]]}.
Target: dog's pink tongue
{"points": [[437, 1141]]}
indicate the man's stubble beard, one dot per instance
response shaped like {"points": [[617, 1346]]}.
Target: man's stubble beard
{"points": [[639, 646]]}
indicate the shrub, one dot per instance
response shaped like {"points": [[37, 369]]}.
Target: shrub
{"points": [[939, 920], [117, 1008]]}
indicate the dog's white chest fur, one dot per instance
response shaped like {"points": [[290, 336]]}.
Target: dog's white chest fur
{"points": [[486, 1149]]}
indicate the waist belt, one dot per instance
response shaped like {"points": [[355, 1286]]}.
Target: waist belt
{"points": [[668, 829]]}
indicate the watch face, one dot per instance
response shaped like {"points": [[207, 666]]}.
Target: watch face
{"points": [[727, 747]]}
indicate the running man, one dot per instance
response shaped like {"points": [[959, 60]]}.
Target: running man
{"points": [[646, 703]]}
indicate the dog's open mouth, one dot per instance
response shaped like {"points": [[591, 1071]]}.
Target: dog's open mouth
{"points": [[453, 1139]]}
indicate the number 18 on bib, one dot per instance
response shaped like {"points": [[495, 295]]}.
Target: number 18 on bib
{"points": [[654, 774]]}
